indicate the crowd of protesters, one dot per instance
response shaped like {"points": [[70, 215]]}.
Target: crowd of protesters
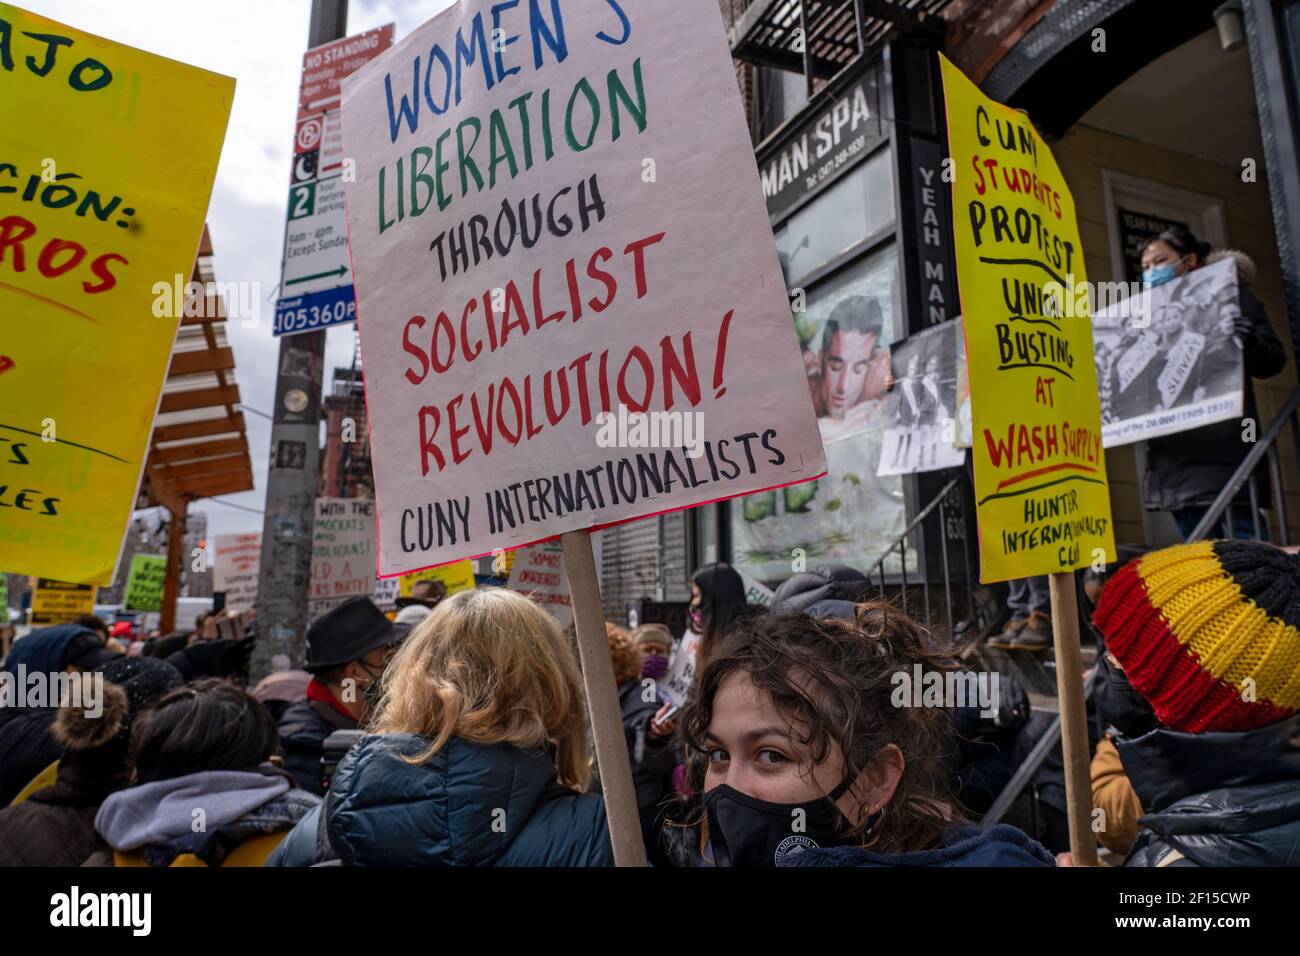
{"points": [[457, 735]]}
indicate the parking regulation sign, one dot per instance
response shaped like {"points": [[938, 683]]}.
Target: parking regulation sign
{"points": [[316, 275]]}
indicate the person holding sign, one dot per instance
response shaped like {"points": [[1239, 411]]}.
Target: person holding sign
{"points": [[1186, 471], [810, 763]]}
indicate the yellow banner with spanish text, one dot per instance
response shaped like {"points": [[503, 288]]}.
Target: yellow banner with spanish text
{"points": [[1042, 498], [107, 160]]}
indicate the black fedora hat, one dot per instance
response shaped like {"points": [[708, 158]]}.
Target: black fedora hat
{"points": [[348, 633]]}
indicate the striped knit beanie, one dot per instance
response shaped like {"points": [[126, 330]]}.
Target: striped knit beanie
{"points": [[1209, 633]]}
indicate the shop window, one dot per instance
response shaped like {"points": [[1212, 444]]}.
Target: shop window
{"points": [[850, 516], [859, 206], [781, 94]]}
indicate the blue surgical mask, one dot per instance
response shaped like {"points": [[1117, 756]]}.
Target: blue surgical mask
{"points": [[1159, 275]]}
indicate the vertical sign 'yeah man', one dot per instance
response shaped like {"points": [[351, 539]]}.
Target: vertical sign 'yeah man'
{"points": [[557, 213]]}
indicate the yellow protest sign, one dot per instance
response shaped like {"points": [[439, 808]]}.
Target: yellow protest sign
{"points": [[457, 576], [107, 159], [59, 602], [1043, 502]]}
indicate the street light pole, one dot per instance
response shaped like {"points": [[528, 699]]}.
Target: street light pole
{"points": [[284, 576]]}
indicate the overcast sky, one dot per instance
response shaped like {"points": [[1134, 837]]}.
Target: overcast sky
{"points": [[260, 43]]}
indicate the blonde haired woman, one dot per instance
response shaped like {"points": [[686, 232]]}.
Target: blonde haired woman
{"points": [[476, 754]]}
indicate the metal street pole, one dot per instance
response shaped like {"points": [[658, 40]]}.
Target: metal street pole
{"points": [[284, 577]]}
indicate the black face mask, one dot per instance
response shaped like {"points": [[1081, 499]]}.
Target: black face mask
{"points": [[746, 831], [1119, 705]]}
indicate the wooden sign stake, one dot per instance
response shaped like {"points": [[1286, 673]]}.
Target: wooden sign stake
{"points": [[602, 701], [1074, 727]]}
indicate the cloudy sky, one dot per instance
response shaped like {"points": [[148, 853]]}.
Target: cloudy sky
{"points": [[260, 43]]}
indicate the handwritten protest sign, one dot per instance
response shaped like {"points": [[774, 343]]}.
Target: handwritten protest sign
{"points": [[557, 213], [235, 563], [342, 554], [100, 203], [144, 583], [539, 572], [58, 602], [1042, 498]]}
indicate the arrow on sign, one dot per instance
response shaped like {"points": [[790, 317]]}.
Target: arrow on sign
{"points": [[340, 271]]}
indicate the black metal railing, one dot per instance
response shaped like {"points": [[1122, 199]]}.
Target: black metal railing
{"points": [[979, 607], [1266, 446]]}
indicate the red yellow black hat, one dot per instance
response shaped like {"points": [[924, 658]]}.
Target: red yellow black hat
{"points": [[1209, 633]]}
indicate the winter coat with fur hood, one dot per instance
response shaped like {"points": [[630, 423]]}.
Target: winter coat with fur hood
{"points": [[56, 825]]}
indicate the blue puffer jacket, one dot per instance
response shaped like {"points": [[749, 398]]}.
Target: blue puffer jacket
{"points": [[471, 805]]}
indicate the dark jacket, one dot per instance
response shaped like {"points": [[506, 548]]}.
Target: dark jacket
{"points": [[471, 805], [652, 760], [303, 727], [56, 826], [1189, 469], [1216, 799], [826, 591], [961, 846], [26, 747]]}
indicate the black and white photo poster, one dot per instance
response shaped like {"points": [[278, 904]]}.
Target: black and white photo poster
{"points": [[1167, 360], [921, 409]]}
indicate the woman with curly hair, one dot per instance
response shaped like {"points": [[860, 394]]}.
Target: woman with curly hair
{"points": [[813, 759]]}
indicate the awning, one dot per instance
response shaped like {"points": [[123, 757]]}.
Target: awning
{"points": [[199, 448], [770, 32]]}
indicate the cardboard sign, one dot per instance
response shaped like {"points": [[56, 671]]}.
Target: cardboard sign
{"points": [[679, 683], [557, 213], [59, 602], [539, 572], [1042, 498], [343, 552], [235, 562], [316, 277], [102, 203], [144, 584]]}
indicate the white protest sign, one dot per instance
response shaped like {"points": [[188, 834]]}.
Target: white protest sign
{"points": [[679, 682], [235, 560], [342, 552], [387, 591], [557, 212], [538, 571], [756, 592]]}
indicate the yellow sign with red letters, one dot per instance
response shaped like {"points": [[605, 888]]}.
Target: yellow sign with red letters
{"points": [[107, 160], [1042, 498]]}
